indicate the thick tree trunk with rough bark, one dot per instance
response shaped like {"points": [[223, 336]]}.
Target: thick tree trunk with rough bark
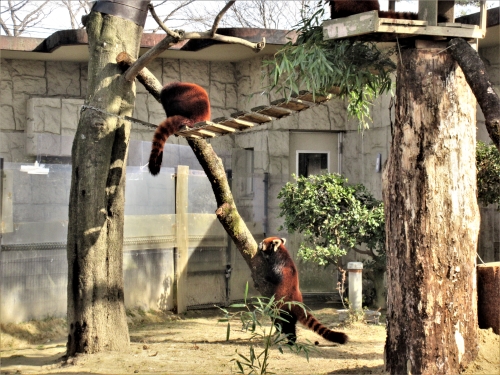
{"points": [[96, 312], [432, 219]]}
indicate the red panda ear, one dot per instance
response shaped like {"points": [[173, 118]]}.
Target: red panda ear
{"points": [[283, 240], [277, 243]]}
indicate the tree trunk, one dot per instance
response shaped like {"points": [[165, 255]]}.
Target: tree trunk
{"points": [[432, 219], [96, 312]]}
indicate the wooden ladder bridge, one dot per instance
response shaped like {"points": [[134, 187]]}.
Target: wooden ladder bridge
{"points": [[256, 116]]}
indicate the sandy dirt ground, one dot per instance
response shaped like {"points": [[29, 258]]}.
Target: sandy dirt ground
{"points": [[194, 343]]}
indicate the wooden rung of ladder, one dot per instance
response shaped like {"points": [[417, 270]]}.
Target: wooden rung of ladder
{"points": [[309, 97], [293, 104], [273, 111], [196, 132], [252, 117], [237, 123]]}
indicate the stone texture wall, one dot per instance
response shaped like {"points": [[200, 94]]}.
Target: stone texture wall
{"points": [[40, 102], [21, 80]]}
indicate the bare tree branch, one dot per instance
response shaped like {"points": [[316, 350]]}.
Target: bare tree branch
{"points": [[161, 24], [4, 27], [480, 83], [23, 15], [148, 80], [174, 37], [149, 56], [175, 10], [219, 17]]}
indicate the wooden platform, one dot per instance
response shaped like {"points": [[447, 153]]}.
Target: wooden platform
{"points": [[387, 29]]}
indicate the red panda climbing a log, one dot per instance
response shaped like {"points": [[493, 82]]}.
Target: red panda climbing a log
{"points": [[185, 104], [282, 273], [345, 8]]}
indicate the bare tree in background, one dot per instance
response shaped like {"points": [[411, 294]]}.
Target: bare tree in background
{"points": [[18, 17], [169, 9], [76, 10], [252, 14]]}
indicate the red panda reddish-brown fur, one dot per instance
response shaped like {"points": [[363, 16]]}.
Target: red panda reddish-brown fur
{"points": [[185, 104], [282, 273], [345, 8]]}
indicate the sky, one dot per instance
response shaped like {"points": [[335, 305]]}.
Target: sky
{"points": [[59, 19]]}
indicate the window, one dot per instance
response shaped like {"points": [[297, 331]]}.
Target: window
{"points": [[312, 163], [249, 168]]}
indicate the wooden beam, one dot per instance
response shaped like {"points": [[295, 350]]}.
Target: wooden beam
{"points": [[428, 11]]}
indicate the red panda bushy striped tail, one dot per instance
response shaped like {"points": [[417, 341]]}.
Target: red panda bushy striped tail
{"points": [[313, 324], [163, 131]]}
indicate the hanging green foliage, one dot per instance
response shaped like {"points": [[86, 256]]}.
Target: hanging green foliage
{"points": [[355, 70], [488, 174]]}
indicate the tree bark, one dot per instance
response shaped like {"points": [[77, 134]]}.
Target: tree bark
{"points": [[96, 312], [432, 219], [479, 81]]}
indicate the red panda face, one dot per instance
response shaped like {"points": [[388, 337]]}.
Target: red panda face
{"points": [[271, 244]]}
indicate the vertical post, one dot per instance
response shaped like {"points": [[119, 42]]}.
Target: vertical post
{"points": [[181, 229], [447, 8], [355, 270], [427, 11], [483, 21]]}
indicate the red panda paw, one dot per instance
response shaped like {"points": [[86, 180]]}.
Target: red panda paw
{"points": [[155, 163]]}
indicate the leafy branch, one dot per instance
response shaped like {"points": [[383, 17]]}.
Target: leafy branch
{"points": [[488, 174], [334, 217], [357, 71], [251, 316]]}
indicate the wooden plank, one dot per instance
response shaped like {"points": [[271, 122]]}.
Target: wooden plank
{"points": [[453, 24], [272, 111], [388, 29], [433, 30], [237, 123], [253, 117], [219, 128], [296, 105], [357, 24], [308, 97], [197, 132], [391, 21]]}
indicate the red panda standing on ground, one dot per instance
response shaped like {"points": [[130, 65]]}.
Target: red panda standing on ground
{"points": [[345, 8], [185, 104], [283, 274]]}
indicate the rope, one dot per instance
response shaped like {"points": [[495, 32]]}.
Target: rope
{"points": [[125, 118]]}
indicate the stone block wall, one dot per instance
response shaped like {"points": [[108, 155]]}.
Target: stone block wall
{"points": [[41, 100], [21, 80]]}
